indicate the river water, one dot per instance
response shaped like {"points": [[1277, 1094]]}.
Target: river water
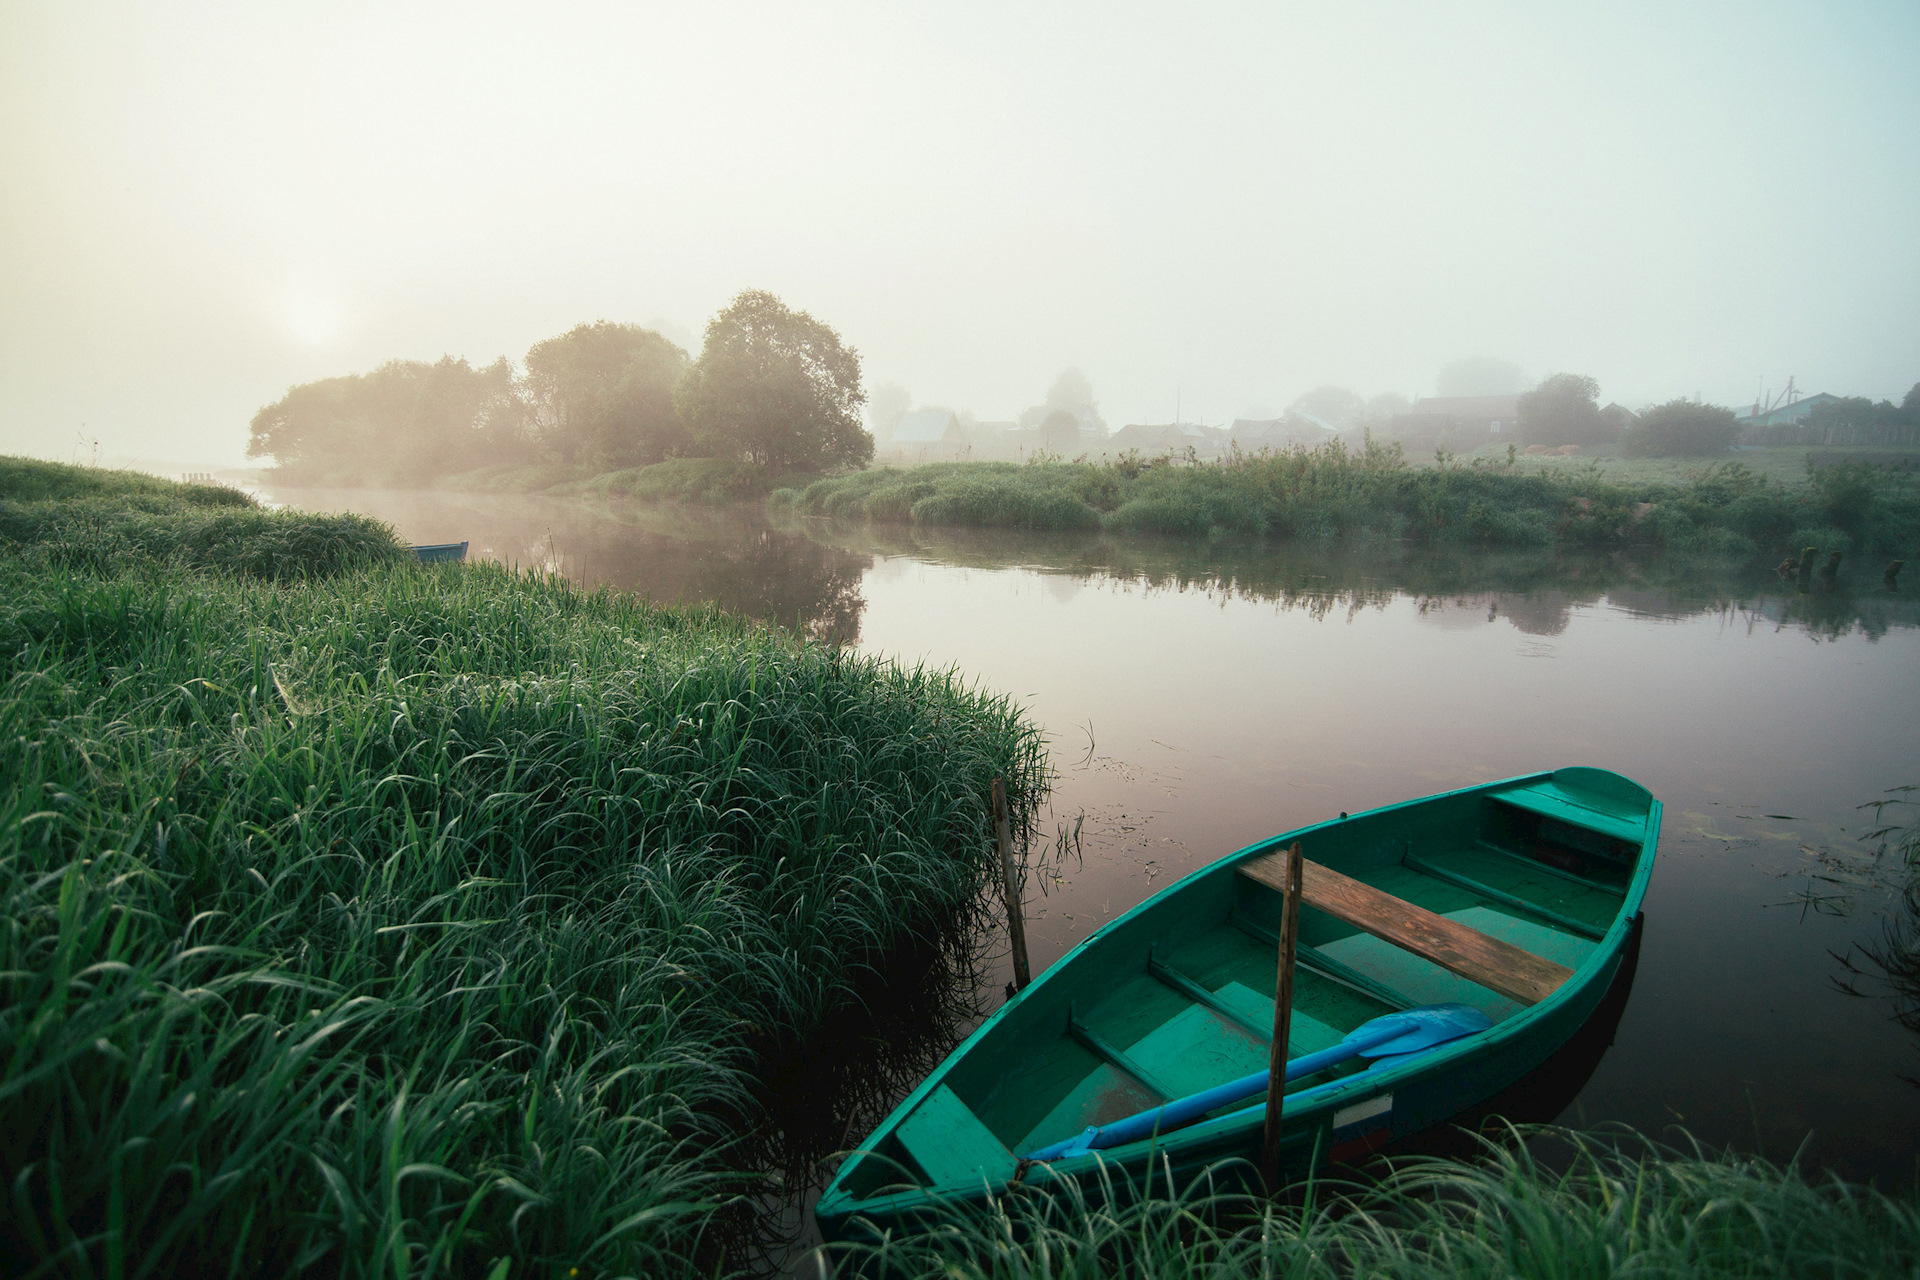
{"points": [[1198, 698]]}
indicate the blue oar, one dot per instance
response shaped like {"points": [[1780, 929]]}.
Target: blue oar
{"points": [[1389, 1035]]}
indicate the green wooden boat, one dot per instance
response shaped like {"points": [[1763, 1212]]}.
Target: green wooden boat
{"points": [[440, 552], [1506, 908]]}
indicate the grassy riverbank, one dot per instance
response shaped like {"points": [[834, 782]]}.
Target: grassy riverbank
{"points": [[377, 918], [1614, 1206], [1373, 496], [78, 518]]}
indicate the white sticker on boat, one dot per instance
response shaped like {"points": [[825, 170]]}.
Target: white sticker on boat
{"points": [[1363, 1111]]}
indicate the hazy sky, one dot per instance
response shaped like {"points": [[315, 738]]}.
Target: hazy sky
{"points": [[204, 204]]}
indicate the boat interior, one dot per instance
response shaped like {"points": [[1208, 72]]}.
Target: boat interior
{"points": [[1489, 898]]}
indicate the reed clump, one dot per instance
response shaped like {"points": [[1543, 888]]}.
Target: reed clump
{"points": [[1370, 495], [431, 920], [1618, 1205]]}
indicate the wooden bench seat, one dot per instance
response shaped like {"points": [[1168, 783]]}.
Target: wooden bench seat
{"points": [[1476, 956], [951, 1145]]}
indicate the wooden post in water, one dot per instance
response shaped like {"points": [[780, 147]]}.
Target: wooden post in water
{"points": [[1010, 887], [1282, 1019]]}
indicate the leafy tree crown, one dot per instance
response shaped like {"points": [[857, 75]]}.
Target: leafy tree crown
{"points": [[776, 387]]}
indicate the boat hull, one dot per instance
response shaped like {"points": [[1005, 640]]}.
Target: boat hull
{"points": [[440, 552], [1341, 1119]]}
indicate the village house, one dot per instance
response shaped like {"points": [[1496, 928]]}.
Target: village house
{"points": [[1457, 423], [927, 434]]}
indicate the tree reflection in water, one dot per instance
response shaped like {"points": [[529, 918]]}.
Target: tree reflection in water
{"points": [[1537, 591], [667, 552]]}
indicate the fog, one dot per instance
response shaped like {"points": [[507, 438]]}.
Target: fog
{"points": [[1232, 206]]}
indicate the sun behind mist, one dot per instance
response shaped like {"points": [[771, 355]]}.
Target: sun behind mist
{"points": [[313, 317]]}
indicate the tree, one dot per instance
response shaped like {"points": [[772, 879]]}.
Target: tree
{"points": [[1336, 405], [1681, 428], [1071, 393], [1564, 409], [1060, 430], [775, 387], [405, 422], [888, 404], [602, 394]]}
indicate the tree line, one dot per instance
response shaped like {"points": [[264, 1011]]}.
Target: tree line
{"points": [[772, 386], [1564, 409]]}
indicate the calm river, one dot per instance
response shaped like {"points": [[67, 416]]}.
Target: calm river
{"points": [[1198, 699]]}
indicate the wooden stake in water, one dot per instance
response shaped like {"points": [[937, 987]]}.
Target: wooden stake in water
{"points": [[1010, 887], [1282, 1019]]}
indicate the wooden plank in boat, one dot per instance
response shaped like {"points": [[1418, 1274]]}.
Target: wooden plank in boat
{"points": [[1498, 966]]}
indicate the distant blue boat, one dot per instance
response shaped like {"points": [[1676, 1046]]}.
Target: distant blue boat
{"points": [[442, 553]]}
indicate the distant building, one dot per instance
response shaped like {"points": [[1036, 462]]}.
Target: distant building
{"points": [[1164, 437], [1618, 417], [1457, 423], [1780, 415], [1493, 415], [927, 433], [988, 432]]}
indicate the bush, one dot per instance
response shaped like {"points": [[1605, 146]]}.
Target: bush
{"points": [[1681, 428], [1002, 504], [1847, 492]]}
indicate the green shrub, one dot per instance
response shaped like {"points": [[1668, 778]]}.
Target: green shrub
{"points": [[1848, 493], [1001, 504], [1681, 428]]}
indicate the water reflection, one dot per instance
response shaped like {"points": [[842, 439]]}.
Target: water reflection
{"points": [[1536, 591], [664, 552]]}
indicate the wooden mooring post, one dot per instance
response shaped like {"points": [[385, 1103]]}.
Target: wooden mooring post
{"points": [[1282, 1019], [1010, 887]]}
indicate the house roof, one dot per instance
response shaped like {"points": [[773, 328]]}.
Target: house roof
{"points": [[1787, 412], [925, 426]]}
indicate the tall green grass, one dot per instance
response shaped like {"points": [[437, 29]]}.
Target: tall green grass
{"points": [[1371, 496], [408, 920], [60, 517], [1615, 1205]]}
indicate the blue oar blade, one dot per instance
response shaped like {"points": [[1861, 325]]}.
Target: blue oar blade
{"points": [[1430, 1025]]}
